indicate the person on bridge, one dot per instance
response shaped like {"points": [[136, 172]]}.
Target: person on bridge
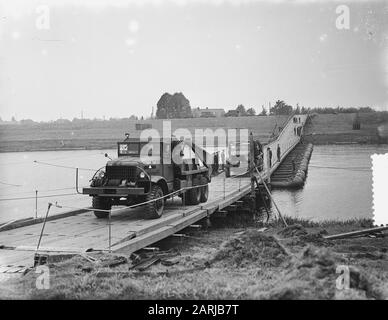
{"points": [[258, 155], [216, 162], [223, 159], [278, 153], [269, 155]]}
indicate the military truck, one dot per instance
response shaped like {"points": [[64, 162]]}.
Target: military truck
{"points": [[127, 180]]}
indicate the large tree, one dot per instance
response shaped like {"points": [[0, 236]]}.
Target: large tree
{"points": [[281, 108], [241, 110], [251, 112], [297, 109], [263, 112], [173, 106]]}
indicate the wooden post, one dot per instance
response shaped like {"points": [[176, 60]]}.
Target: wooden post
{"points": [[36, 204], [272, 199], [44, 225], [264, 203], [251, 173], [224, 188], [356, 233], [110, 231], [269, 163]]}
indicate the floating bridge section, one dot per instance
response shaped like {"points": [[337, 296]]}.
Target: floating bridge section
{"points": [[127, 231]]}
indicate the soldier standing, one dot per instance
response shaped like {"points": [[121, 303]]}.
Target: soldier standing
{"points": [[223, 159]]}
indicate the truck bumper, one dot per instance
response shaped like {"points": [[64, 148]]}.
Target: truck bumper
{"points": [[113, 192]]}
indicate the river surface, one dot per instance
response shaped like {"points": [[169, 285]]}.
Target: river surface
{"points": [[338, 186]]}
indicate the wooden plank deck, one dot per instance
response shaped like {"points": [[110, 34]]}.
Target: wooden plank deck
{"points": [[129, 230]]}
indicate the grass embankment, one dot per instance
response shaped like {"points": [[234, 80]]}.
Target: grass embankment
{"points": [[325, 128], [338, 128], [105, 134], [233, 259]]}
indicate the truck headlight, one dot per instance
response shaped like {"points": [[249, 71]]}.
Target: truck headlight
{"points": [[142, 175], [101, 174]]}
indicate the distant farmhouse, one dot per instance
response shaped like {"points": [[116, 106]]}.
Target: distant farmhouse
{"points": [[143, 126], [208, 113]]}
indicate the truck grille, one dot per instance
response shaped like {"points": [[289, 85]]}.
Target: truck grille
{"points": [[121, 172]]}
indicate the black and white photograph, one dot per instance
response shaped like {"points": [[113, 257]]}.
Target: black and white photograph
{"points": [[211, 151]]}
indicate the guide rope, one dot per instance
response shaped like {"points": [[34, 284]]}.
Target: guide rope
{"points": [[135, 205], [10, 184], [182, 190], [33, 192], [70, 188], [62, 166], [342, 168], [57, 158], [40, 197]]}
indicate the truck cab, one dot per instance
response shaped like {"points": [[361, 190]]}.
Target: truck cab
{"points": [[146, 173]]}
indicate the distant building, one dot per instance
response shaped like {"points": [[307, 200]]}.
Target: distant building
{"points": [[143, 126], [207, 113], [62, 121], [232, 113]]}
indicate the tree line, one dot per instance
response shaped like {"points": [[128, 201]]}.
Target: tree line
{"points": [[177, 106]]}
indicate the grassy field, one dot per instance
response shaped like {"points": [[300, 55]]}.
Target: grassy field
{"points": [[337, 128], [325, 128], [105, 134], [233, 259]]}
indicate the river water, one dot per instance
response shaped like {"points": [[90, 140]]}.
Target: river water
{"points": [[338, 186]]}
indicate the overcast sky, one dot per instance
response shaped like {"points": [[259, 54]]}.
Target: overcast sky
{"points": [[116, 58]]}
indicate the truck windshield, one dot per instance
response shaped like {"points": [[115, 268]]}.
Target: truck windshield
{"points": [[129, 148], [135, 148]]}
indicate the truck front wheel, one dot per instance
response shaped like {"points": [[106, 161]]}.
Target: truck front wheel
{"points": [[101, 204], [155, 208], [194, 194]]}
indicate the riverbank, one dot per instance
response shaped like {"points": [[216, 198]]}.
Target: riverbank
{"points": [[345, 138], [57, 145], [105, 144], [338, 129], [100, 135], [234, 259], [97, 135]]}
